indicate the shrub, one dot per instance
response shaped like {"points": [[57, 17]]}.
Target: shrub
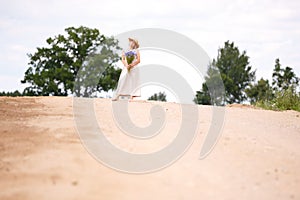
{"points": [[284, 100]]}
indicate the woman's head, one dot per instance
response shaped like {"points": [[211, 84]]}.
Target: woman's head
{"points": [[133, 43]]}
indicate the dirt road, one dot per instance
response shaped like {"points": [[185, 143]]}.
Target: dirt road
{"points": [[41, 156]]}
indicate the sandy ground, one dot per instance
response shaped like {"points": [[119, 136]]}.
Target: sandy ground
{"points": [[41, 155]]}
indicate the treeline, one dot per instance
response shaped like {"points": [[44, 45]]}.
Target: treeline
{"points": [[240, 86], [72, 62], [11, 94]]}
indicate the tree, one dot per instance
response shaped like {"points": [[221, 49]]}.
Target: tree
{"points": [[161, 96], [203, 97], [235, 72], [53, 69], [283, 78], [212, 92], [261, 91], [282, 95]]}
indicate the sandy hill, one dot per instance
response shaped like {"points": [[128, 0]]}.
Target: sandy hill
{"points": [[41, 155]]}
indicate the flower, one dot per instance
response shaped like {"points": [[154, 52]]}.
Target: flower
{"points": [[130, 55]]}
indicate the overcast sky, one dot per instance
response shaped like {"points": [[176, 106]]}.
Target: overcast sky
{"points": [[265, 29]]}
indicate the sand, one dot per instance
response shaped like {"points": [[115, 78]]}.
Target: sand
{"points": [[42, 157]]}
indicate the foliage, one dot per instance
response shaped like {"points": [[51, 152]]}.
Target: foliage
{"points": [[236, 73], [203, 97], [287, 100], [284, 90], [283, 78], [161, 96], [284, 100], [11, 94], [260, 91], [53, 69]]}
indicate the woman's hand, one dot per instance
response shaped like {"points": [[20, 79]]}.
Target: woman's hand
{"points": [[129, 66]]}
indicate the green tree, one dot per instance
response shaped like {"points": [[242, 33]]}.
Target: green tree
{"points": [[235, 72], [161, 96], [212, 92], [261, 91], [283, 78], [202, 96], [16, 93], [53, 69], [283, 93]]}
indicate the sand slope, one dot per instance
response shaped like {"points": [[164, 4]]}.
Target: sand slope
{"points": [[41, 156]]}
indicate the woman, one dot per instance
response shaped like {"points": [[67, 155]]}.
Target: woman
{"points": [[129, 78]]}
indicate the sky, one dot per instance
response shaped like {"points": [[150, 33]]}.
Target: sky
{"points": [[265, 29]]}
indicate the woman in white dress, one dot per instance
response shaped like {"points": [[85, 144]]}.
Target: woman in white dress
{"points": [[129, 79]]}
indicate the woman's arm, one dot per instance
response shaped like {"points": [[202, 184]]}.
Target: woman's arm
{"points": [[137, 60], [124, 61]]}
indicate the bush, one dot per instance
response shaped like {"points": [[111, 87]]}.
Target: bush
{"points": [[161, 96], [284, 100], [11, 94]]}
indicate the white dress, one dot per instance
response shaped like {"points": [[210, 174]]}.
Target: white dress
{"points": [[129, 82]]}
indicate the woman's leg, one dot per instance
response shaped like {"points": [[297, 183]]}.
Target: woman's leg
{"points": [[131, 98], [115, 98]]}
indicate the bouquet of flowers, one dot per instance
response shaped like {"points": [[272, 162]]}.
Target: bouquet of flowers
{"points": [[130, 55]]}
